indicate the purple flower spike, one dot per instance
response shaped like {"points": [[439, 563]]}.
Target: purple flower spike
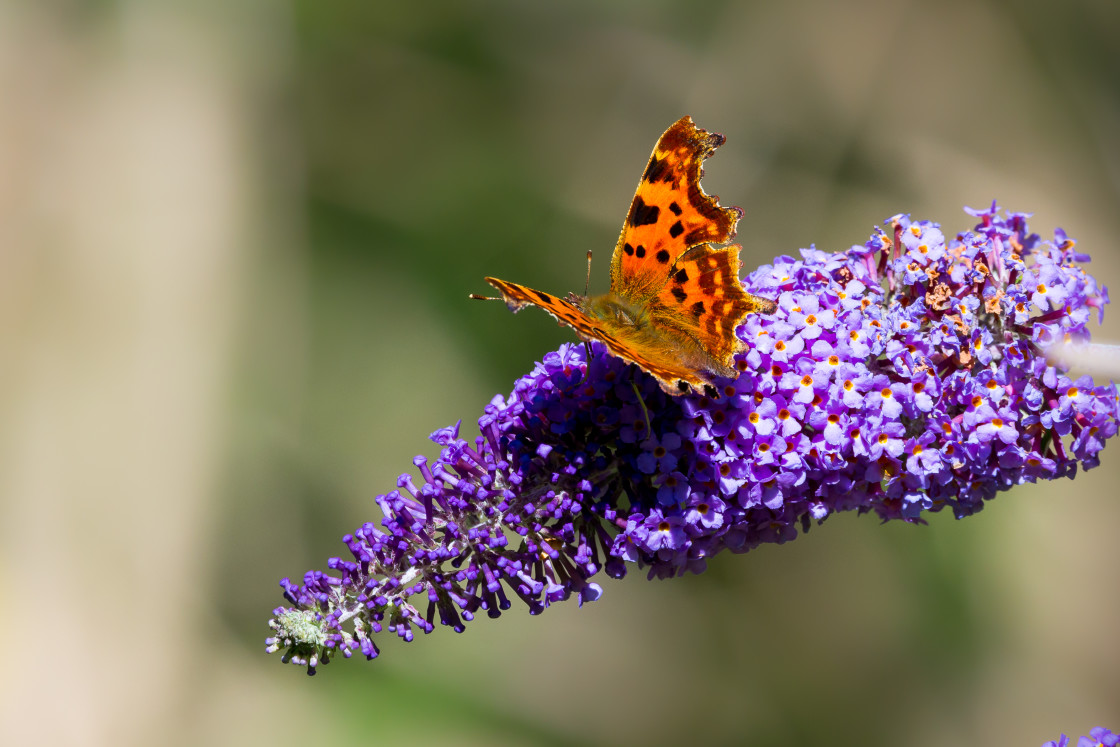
{"points": [[898, 377]]}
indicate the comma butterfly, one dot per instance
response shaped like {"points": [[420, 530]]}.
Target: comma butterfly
{"points": [[675, 300]]}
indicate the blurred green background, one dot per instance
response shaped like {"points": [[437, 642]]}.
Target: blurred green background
{"points": [[237, 240]]}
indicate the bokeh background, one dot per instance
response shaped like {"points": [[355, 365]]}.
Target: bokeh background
{"points": [[236, 243]]}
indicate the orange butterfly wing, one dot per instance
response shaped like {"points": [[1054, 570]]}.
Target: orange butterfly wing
{"points": [[705, 300], [670, 213], [518, 296]]}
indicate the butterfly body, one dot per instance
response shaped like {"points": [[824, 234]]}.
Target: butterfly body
{"points": [[617, 314], [675, 299]]}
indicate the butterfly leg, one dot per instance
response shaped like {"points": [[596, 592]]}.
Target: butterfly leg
{"points": [[642, 402]]}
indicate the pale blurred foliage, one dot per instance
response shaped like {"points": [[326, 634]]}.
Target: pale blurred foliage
{"points": [[235, 245]]}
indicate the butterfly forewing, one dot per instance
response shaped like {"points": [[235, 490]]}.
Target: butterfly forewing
{"points": [[670, 212], [518, 296]]}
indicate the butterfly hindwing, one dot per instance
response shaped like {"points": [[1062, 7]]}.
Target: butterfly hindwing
{"points": [[705, 299], [670, 212]]}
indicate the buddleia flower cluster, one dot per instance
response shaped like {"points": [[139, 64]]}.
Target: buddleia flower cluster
{"points": [[902, 376], [1098, 737]]}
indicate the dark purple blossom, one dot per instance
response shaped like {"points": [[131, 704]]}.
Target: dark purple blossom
{"points": [[899, 377]]}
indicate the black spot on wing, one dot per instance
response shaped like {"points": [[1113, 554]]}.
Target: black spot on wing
{"points": [[679, 294], [676, 229], [682, 386], [663, 257], [641, 250], [628, 249], [698, 308], [658, 170], [642, 214], [675, 209], [544, 297], [681, 276]]}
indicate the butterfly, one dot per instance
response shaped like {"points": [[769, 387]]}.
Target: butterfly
{"points": [[675, 299]]}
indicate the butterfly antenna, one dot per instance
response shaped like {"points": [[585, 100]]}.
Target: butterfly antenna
{"points": [[477, 297], [587, 285], [642, 402], [586, 290]]}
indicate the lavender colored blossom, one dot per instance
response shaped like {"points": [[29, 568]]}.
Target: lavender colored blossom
{"points": [[1098, 737], [903, 376]]}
